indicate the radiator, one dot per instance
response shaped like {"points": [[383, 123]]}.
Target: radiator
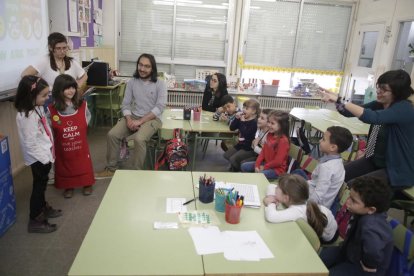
{"points": [[188, 98], [286, 104], [184, 98]]}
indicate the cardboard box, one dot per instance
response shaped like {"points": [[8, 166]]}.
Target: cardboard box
{"points": [[269, 90], [7, 198]]}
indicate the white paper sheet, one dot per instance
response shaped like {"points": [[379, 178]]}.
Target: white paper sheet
{"points": [[236, 245], [207, 240], [244, 246], [175, 205]]}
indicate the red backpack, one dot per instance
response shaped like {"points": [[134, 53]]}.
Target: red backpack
{"points": [[175, 153]]}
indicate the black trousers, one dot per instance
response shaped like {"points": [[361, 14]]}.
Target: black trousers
{"points": [[40, 177], [364, 167]]}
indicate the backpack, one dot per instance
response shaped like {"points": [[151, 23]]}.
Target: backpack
{"points": [[302, 140], [175, 153], [342, 219]]}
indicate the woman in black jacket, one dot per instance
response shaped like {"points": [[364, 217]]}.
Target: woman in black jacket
{"points": [[216, 88]]}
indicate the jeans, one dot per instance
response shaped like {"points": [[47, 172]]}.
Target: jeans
{"points": [[301, 173], [40, 177], [250, 166]]}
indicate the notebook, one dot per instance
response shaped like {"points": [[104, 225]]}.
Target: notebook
{"points": [[249, 191]]}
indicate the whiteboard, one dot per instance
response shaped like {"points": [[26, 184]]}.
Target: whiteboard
{"points": [[24, 30]]}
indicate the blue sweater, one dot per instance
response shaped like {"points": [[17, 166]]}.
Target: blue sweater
{"points": [[398, 121]]}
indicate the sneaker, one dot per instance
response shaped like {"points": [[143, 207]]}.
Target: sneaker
{"points": [[50, 212], [40, 225], [68, 193], [107, 173], [87, 190]]}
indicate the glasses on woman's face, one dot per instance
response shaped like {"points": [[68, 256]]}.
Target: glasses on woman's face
{"points": [[382, 89], [214, 80]]}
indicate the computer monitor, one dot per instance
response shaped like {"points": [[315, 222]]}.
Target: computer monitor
{"points": [[98, 72]]}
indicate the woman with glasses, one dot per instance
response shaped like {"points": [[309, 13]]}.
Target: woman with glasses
{"points": [[216, 88], [57, 62], [390, 149]]}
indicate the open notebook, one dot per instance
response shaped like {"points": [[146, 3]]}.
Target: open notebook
{"points": [[249, 191]]}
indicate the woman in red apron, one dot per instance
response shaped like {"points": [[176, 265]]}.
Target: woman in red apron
{"points": [[69, 117]]}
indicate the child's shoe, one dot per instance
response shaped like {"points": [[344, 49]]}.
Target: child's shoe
{"points": [[40, 225], [87, 190], [68, 193]]}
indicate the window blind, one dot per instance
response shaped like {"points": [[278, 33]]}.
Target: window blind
{"points": [[271, 32], [320, 31], [322, 36]]}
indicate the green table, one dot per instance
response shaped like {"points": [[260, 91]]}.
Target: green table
{"points": [[292, 252], [321, 119], [121, 239]]}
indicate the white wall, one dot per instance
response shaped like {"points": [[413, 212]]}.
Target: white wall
{"points": [[389, 12]]}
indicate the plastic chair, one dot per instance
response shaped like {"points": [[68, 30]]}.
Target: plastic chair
{"points": [[349, 156], [308, 163], [402, 261], [313, 139], [309, 233], [295, 156], [103, 103]]}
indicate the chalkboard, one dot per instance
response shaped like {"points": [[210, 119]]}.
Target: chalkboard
{"points": [[23, 39]]}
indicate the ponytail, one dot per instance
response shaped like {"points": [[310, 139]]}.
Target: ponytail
{"points": [[316, 219]]}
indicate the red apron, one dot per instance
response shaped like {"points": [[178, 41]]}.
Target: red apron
{"points": [[73, 164]]}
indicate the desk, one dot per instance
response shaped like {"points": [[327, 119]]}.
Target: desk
{"points": [[321, 119], [121, 239], [409, 192], [171, 119], [292, 251], [207, 129], [107, 89]]}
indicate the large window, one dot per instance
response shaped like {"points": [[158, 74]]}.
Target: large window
{"points": [[183, 35]]}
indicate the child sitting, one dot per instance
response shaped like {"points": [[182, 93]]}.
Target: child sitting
{"points": [[368, 243], [227, 111], [273, 159], [261, 133], [329, 174], [293, 192], [246, 123]]}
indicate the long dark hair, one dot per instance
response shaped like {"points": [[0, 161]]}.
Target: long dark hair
{"points": [[297, 189], [52, 40], [400, 83], [63, 82], [282, 118], [27, 91], [154, 71], [222, 85]]}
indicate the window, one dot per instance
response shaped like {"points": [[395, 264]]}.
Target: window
{"points": [[183, 35]]}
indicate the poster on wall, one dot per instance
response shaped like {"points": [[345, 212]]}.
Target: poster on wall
{"points": [[73, 17]]}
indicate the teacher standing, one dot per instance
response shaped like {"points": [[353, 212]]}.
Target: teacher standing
{"points": [[57, 63], [390, 149]]}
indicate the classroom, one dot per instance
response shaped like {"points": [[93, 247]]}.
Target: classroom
{"points": [[176, 135]]}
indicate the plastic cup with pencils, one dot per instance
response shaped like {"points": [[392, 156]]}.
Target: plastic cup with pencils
{"points": [[197, 114], [220, 198], [206, 189], [234, 204]]}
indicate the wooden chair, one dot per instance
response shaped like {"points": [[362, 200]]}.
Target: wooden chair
{"points": [[309, 233], [295, 155]]}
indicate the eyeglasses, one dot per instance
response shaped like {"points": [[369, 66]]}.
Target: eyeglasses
{"points": [[214, 80], [381, 89], [61, 49], [146, 66]]}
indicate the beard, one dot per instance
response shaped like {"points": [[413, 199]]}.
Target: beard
{"points": [[144, 75]]}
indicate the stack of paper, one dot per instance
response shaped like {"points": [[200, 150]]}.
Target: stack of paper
{"points": [[249, 191], [235, 245]]}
